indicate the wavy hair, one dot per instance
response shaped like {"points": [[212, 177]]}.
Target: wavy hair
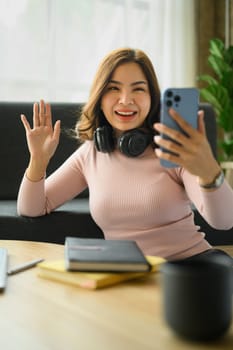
{"points": [[92, 116]]}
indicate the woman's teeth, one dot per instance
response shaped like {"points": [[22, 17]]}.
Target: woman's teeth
{"points": [[125, 113]]}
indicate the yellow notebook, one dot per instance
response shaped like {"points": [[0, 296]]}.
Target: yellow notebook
{"points": [[55, 270]]}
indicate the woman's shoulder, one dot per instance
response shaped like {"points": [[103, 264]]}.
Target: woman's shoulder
{"points": [[86, 149], [85, 146]]}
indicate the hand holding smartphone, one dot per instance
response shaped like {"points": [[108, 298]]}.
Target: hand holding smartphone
{"points": [[184, 101]]}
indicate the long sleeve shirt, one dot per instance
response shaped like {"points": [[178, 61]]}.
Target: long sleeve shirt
{"points": [[133, 199]]}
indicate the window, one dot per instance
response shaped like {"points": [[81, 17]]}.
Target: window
{"points": [[51, 48]]}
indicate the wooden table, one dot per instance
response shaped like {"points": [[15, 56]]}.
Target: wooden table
{"points": [[42, 314]]}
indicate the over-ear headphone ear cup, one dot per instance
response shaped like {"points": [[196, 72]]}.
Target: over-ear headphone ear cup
{"points": [[132, 143], [103, 139]]}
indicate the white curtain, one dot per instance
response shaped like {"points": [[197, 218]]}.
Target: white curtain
{"points": [[51, 48]]}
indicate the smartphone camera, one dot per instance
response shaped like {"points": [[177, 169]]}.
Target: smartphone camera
{"points": [[177, 98], [171, 98], [169, 94], [169, 103]]}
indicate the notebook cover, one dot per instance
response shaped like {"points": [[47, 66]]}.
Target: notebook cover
{"points": [[85, 254]]}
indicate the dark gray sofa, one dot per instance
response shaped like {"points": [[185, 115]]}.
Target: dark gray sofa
{"points": [[74, 217], [71, 219]]}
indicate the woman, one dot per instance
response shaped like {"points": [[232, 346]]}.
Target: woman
{"points": [[131, 195]]}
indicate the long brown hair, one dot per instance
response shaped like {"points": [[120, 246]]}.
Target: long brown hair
{"points": [[92, 117]]}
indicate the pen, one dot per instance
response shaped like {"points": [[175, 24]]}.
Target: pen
{"points": [[24, 266]]}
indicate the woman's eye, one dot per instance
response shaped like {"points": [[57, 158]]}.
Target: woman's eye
{"points": [[113, 88], [139, 89]]}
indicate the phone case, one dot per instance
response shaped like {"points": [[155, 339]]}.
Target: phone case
{"points": [[186, 102]]}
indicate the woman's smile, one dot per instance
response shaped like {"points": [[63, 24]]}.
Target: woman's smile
{"points": [[125, 114]]}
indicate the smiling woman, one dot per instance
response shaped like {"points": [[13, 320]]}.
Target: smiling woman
{"points": [[132, 196], [123, 105]]}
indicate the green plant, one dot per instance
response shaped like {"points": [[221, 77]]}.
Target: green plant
{"points": [[219, 93]]}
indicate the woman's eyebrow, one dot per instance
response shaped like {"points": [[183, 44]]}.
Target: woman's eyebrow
{"points": [[134, 83], [139, 82]]}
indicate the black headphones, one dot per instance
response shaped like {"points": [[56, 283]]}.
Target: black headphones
{"points": [[131, 143]]}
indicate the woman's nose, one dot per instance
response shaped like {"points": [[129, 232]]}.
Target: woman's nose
{"points": [[126, 99]]}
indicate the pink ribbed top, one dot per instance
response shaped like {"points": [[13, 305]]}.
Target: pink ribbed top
{"points": [[133, 198]]}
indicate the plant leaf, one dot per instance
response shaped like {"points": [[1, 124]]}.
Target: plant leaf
{"points": [[219, 93], [217, 96], [225, 119], [228, 56], [218, 65], [227, 82], [208, 78], [216, 47]]}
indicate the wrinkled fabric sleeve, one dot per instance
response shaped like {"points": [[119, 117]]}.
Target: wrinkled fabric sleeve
{"points": [[215, 206]]}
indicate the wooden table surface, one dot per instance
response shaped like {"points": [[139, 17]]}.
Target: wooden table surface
{"points": [[40, 314]]}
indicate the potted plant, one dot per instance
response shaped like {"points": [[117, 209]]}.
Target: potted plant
{"points": [[219, 93]]}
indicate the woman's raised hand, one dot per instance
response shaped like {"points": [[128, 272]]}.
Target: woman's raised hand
{"points": [[192, 151], [42, 139]]}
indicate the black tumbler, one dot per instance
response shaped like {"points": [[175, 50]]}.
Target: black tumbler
{"points": [[197, 297]]}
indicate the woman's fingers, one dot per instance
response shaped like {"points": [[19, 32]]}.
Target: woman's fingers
{"points": [[25, 123], [57, 130], [184, 125], [42, 113], [42, 117], [48, 115], [187, 136], [36, 121], [45, 114], [201, 123]]}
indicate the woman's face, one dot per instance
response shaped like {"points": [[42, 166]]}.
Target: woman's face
{"points": [[126, 101]]}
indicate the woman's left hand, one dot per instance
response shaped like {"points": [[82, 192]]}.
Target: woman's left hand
{"points": [[192, 151]]}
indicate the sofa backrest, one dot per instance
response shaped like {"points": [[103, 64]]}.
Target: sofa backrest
{"points": [[13, 147], [14, 153]]}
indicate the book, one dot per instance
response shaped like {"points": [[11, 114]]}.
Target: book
{"points": [[90, 254], [55, 270]]}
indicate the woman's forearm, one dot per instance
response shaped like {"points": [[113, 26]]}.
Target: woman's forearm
{"points": [[31, 199], [36, 169]]}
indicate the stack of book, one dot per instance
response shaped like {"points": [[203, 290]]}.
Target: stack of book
{"points": [[98, 263]]}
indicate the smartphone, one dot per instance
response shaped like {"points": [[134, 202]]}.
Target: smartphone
{"points": [[186, 102]]}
